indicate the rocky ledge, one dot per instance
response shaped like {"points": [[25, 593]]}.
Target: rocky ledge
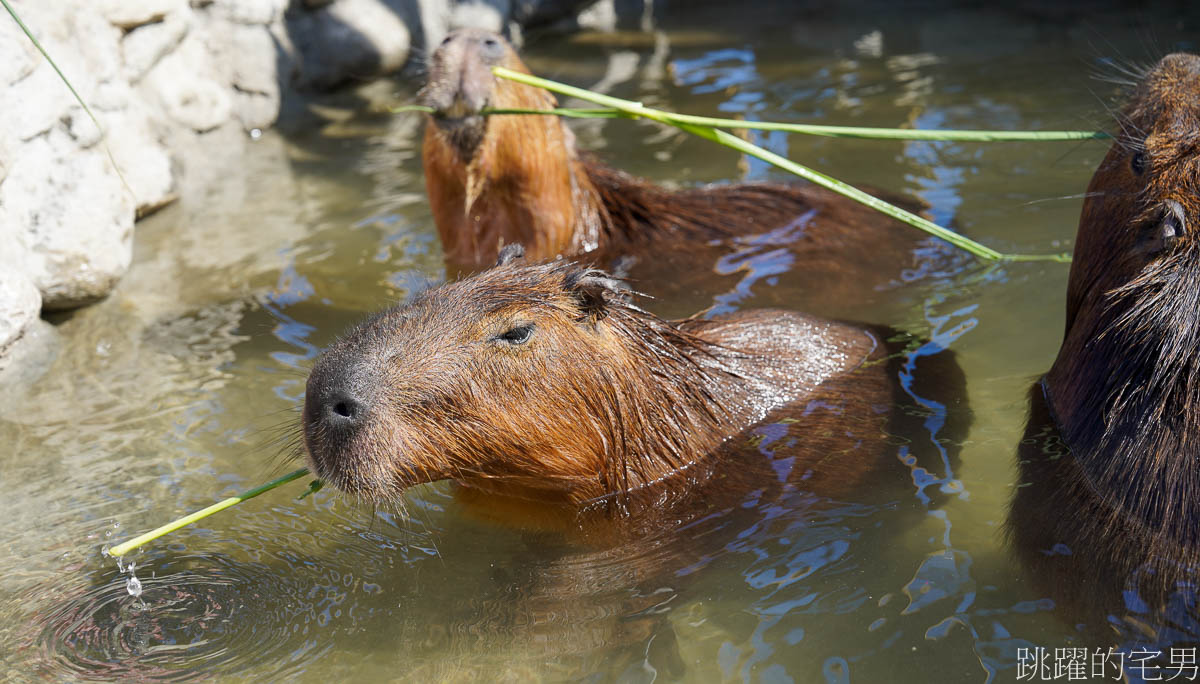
{"points": [[160, 76]]}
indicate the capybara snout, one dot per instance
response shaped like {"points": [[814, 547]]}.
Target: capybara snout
{"points": [[1142, 205], [460, 80], [461, 84]]}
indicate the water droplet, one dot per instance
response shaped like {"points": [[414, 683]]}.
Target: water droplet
{"points": [[134, 586], [255, 133]]}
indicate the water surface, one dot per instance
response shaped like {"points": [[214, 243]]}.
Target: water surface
{"points": [[183, 387]]}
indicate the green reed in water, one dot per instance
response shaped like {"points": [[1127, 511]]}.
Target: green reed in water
{"points": [[706, 128], [861, 132], [710, 128], [122, 549]]}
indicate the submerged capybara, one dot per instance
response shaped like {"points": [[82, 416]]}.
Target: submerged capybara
{"points": [[1108, 514], [545, 383], [633, 451], [503, 179]]}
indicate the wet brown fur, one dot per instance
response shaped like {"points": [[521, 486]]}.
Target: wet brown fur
{"points": [[1122, 399], [519, 179], [650, 447], [604, 399]]}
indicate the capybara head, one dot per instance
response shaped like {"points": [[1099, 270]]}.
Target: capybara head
{"points": [[498, 179], [461, 84], [1126, 384], [539, 380], [1139, 219]]}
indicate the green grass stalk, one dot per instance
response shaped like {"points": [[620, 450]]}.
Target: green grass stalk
{"points": [[719, 136], [122, 549]]}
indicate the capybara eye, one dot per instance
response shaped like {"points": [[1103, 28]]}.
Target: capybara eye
{"points": [[1138, 163], [447, 39], [1172, 224], [491, 50], [517, 335]]}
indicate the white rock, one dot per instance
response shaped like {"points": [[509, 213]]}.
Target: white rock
{"points": [[254, 60], [141, 49], [85, 46], [601, 16], [8, 146], [29, 356], [18, 56], [81, 128], [185, 84], [254, 110], [74, 216], [130, 14], [142, 158], [20, 303], [349, 39], [111, 96], [490, 15], [260, 12], [39, 102]]}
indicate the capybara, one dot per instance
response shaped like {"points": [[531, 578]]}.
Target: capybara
{"points": [[502, 179], [547, 383], [633, 449], [1111, 456]]}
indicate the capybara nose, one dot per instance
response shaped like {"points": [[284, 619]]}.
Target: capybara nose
{"points": [[335, 403], [489, 46], [342, 411], [1183, 62]]}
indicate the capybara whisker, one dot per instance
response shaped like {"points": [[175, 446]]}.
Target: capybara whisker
{"points": [[1082, 195]]}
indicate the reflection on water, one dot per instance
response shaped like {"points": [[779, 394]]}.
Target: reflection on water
{"points": [[182, 388]]}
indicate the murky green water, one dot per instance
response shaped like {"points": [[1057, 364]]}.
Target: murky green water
{"points": [[184, 385]]}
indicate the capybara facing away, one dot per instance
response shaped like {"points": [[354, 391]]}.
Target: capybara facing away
{"points": [[546, 383], [503, 179], [1111, 456]]}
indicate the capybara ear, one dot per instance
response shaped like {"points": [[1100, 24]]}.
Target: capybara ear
{"points": [[594, 290], [510, 253]]}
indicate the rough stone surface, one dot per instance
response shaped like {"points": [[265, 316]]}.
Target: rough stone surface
{"points": [[29, 356], [537, 13], [170, 82], [130, 14], [76, 216], [141, 49], [254, 12], [18, 56], [144, 161], [491, 14], [20, 303], [189, 92], [349, 39]]}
